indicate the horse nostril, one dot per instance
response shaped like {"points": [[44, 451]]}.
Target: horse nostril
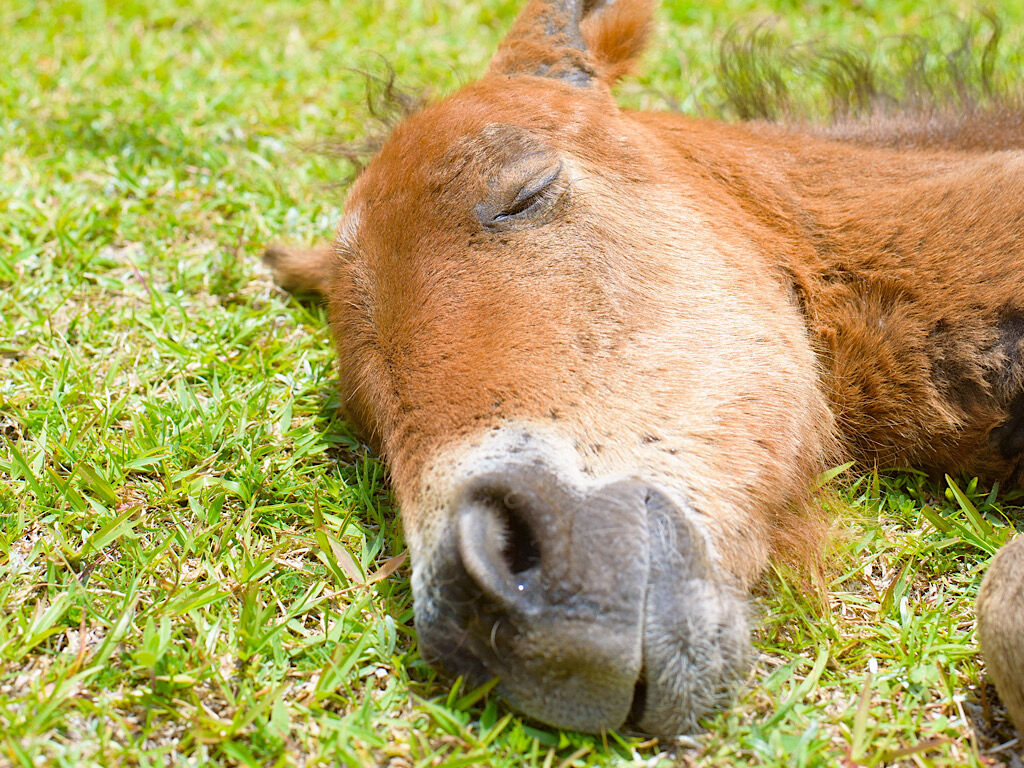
{"points": [[520, 550], [497, 541], [544, 587]]}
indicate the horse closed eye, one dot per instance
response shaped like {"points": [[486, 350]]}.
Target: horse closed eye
{"points": [[531, 196], [522, 204]]}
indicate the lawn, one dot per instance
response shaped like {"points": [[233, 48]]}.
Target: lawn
{"points": [[201, 564]]}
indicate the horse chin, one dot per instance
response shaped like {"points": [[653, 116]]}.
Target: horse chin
{"points": [[657, 648]]}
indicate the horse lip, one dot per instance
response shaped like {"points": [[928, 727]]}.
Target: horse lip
{"points": [[695, 626]]}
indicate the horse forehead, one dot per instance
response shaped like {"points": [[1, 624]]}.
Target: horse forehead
{"points": [[436, 144]]}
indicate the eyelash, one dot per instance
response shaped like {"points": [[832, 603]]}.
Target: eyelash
{"points": [[522, 206]]}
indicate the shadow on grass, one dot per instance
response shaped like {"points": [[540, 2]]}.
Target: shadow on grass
{"points": [[997, 739]]}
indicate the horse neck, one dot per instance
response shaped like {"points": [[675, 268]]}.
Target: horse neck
{"points": [[820, 206], [906, 266]]}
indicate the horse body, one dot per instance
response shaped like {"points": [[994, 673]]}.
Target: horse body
{"points": [[605, 353]]}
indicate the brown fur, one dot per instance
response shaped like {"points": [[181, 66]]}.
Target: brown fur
{"points": [[724, 308], [300, 270], [617, 35], [911, 354]]}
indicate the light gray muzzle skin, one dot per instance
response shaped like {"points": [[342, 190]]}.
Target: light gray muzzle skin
{"points": [[596, 609]]}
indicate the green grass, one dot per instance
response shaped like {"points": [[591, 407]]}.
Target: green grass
{"points": [[198, 559]]}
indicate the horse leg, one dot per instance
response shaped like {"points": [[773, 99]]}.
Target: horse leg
{"points": [[1001, 627]]}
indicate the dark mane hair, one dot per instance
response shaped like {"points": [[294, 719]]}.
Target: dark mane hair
{"points": [[920, 95]]}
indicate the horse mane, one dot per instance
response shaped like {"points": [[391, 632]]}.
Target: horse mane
{"points": [[963, 103], [387, 104], [922, 96]]}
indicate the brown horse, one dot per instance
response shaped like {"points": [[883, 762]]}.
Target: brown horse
{"points": [[605, 354]]}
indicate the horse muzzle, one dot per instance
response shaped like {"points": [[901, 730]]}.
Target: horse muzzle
{"points": [[595, 609]]}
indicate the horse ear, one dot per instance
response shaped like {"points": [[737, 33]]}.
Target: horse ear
{"points": [[616, 34], [582, 42]]}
